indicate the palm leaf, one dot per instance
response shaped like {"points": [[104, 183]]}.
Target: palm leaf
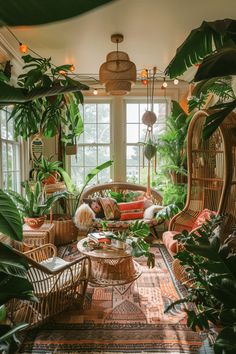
{"points": [[201, 42], [10, 221], [11, 263], [222, 63]]}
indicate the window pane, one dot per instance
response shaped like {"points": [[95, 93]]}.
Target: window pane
{"points": [[132, 156], [90, 134], [90, 155], [132, 133], [103, 154], [89, 113], [103, 113], [132, 113], [3, 124], [103, 133], [10, 130], [132, 174], [10, 157], [4, 156]]}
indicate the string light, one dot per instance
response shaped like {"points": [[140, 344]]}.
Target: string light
{"points": [[72, 68], [176, 81], [63, 72], [23, 48], [95, 92], [165, 83]]}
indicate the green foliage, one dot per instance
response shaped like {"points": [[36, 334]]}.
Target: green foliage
{"points": [[40, 101], [45, 168], [211, 267], [89, 177], [213, 43], [35, 203], [167, 212], [171, 144], [122, 197], [13, 269], [135, 236], [201, 42]]}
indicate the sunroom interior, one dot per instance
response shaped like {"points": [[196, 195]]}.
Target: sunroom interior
{"points": [[117, 176]]}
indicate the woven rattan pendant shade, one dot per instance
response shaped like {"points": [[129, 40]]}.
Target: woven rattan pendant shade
{"points": [[118, 73]]}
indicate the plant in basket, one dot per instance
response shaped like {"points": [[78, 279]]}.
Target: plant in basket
{"points": [[36, 205]]}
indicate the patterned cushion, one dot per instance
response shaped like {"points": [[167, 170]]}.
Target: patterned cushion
{"points": [[202, 217], [131, 210], [110, 208], [169, 242]]}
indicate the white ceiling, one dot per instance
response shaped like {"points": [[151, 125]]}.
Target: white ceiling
{"points": [[152, 30]]}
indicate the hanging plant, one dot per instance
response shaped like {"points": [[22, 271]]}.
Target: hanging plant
{"points": [[39, 101]]}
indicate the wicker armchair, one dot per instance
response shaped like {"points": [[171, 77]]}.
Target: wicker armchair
{"points": [[211, 176], [57, 283]]}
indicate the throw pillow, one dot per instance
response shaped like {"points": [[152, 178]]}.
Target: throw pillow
{"points": [[96, 207], [202, 217], [84, 216], [110, 208], [131, 210], [151, 211]]}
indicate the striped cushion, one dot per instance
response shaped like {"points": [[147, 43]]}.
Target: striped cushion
{"points": [[131, 210]]}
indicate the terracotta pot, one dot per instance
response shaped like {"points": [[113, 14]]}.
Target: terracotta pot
{"points": [[52, 179], [35, 223]]}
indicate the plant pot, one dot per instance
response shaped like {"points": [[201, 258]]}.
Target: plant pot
{"points": [[65, 230], [52, 179], [71, 149], [35, 223]]}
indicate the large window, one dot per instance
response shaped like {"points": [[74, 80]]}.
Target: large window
{"points": [[93, 144], [135, 133], [9, 154]]}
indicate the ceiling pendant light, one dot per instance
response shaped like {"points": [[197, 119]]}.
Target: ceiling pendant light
{"points": [[118, 73]]}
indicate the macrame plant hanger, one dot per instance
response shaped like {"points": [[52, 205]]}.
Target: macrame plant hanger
{"points": [[149, 119]]}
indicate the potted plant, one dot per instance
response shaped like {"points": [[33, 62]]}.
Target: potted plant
{"points": [[49, 172], [135, 236], [210, 267], [35, 206]]}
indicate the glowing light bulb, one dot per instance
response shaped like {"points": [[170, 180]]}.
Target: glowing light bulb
{"points": [[145, 82], [165, 84], [23, 48], [62, 72], [95, 92], [72, 68], [176, 81]]}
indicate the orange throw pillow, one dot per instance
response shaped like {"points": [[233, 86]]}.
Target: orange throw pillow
{"points": [[202, 217], [131, 210]]}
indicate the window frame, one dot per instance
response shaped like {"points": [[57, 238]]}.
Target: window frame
{"points": [[16, 144]]}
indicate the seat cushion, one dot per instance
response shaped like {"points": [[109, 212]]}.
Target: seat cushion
{"points": [[202, 217], [169, 242], [54, 263]]}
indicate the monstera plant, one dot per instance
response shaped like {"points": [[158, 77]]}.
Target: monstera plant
{"points": [[213, 45]]}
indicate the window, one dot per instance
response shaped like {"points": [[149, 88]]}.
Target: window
{"points": [[94, 144], [9, 154], [135, 132]]}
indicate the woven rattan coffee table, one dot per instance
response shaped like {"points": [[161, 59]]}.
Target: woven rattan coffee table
{"points": [[110, 266]]}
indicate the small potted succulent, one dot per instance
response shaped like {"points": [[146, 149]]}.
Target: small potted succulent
{"points": [[36, 205]]}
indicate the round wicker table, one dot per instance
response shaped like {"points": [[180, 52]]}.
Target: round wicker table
{"points": [[110, 266]]}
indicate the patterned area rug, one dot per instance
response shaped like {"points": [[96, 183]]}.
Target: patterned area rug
{"points": [[121, 319]]}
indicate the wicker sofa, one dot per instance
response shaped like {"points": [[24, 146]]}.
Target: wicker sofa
{"points": [[103, 190]]}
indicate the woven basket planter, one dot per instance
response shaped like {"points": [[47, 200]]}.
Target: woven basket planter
{"points": [[65, 230]]}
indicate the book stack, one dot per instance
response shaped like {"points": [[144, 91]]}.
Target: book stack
{"points": [[100, 237]]}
